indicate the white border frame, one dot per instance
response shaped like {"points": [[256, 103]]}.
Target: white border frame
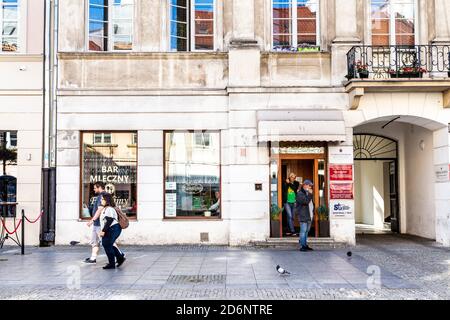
{"points": [[294, 24]]}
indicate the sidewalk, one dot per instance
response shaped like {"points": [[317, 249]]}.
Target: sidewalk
{"points": [[381, 267]]}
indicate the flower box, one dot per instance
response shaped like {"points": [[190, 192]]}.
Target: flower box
{"points": [[363, 74], [407, 72], [406, 75]]}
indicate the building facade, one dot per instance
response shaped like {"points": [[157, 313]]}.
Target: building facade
{"points": [[21, 110], [195, 112]]}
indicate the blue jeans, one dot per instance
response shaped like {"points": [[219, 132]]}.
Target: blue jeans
{"points": [[290, 207], [304, 230], [108, 240]]}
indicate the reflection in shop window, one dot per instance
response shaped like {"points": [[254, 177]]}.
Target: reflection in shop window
{"points": [[192, 174], [9, 25], [102, 138], [8, 174], [115, 165]]}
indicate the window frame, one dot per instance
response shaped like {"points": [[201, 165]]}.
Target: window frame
{"points": [[21, 27], [212, 218], [110, 38], [294, 24], [190, 16], [81, 185], [392, 23]]}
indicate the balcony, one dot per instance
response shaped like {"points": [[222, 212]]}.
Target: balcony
{"points": [[399, 69]]}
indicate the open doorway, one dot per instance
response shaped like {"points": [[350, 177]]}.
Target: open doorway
{"points": [[376, 187], [307, 162]]}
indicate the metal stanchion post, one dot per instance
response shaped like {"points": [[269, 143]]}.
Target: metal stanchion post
{"points": [[23, 233]]}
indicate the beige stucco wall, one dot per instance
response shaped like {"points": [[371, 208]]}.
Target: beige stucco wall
{"points": [[151, 90]]}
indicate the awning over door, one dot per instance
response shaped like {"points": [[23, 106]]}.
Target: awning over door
{"points": [[304, 125]]}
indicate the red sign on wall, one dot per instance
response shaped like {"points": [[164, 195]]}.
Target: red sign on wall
{"points": [[341, 191], [341, 172]]}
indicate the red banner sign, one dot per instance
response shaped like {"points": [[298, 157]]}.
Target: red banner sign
{"points": [[341, 191], [342, 172]]}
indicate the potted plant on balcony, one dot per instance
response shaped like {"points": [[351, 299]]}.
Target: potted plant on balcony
{"points": [[324, 223], [407, 72], [275, 220], [362, 69]]}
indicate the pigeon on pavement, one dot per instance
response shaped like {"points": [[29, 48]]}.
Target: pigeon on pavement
{"points": [[282, 271]]}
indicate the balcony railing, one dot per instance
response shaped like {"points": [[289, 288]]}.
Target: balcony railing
{"points": [[385, 62]]}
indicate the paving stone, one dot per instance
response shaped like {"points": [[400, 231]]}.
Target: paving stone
{"points": [[409, 268]]}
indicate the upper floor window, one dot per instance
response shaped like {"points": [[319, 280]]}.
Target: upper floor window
{"points": [[393, 22], [111, 25], [295, 24], [191, 25], [9, 24]]}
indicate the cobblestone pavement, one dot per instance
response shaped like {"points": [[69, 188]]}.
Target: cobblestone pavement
{"points": [[380, 267]]}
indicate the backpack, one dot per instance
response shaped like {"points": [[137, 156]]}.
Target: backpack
{"points": [[122, 218]]}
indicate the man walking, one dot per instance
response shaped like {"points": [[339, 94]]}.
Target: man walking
{"points": [[305, 206], [99, 189]]}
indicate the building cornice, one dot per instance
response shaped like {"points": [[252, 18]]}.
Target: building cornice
{"points": [[141, 55]]}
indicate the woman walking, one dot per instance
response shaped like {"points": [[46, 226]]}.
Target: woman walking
{"points": [[110, 232]]}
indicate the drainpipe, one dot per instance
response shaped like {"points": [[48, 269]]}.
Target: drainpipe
{"points": [[48, 180]]}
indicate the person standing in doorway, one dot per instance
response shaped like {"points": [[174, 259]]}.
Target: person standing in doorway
{"points": [[99, 189], [305, 206], [290, 189]]}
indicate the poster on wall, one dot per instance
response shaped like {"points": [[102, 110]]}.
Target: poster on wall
{"points": [[341, 191], [171, 205], [341, 172], [340, 155], [341, 209]]}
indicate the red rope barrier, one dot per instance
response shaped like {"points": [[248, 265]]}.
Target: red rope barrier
{"points": [[37, 219], [15, 230]]}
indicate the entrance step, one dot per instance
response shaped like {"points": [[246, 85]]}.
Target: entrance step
{"points": [[319, 243]]}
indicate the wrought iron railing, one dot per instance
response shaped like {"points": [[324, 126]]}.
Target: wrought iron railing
{"points": [[384, 62]]}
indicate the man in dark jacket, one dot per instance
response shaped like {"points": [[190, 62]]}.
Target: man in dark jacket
{"points": [[305, 209], [290, 189]]}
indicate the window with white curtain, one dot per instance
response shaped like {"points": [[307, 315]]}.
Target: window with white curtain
{"points": [[295, 23], [191, 25], [111, 25], [9, 23], [393, 22]]}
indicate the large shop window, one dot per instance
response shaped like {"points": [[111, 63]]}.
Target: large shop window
{"points": [[295, 25], [111, 159], [9, 24], [192, 174], [111, 25], [191, 25], [393, 22], [8, 172]]}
